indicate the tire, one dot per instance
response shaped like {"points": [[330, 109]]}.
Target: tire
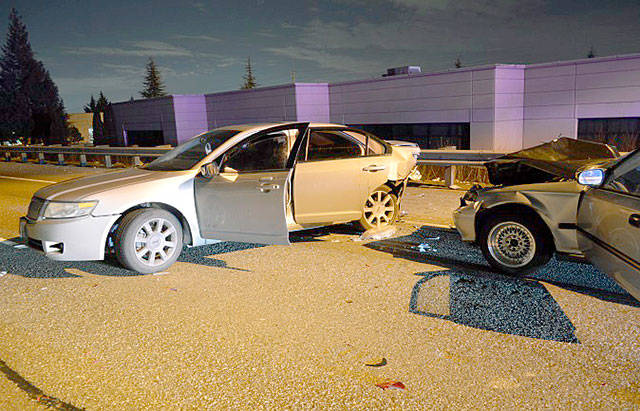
{"points": [[156, 230], [514, 243], [380, 209]]}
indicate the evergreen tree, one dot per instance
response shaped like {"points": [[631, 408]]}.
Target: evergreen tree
{"points": [[249, 79], [109, 127], [29, 102], [458, 63], [153, 86], [91, 107], [102, 103]]}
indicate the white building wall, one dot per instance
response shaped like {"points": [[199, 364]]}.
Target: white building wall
{"points": [[435, 98], [312, 102], [191, 116], [259, 105], [147, 114], [558, 94]]}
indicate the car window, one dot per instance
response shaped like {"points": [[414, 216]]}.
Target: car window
{"points": [[374, 148], [628, 182], [189, 153], [267, 152], [332, 145]]}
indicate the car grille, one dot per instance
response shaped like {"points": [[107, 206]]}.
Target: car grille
{"points": [[35, 208]]}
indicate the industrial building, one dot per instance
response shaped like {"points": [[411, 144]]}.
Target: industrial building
{"points": [[500, 107]]}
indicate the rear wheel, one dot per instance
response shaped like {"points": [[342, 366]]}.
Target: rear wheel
{"points": [[148, 240], [515, 244], [380, 209]]}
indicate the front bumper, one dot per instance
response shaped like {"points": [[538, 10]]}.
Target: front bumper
{"points": [[464, 219], [74, 239]]}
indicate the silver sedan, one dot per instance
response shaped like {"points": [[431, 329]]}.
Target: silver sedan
{"points": [[250, 183]]}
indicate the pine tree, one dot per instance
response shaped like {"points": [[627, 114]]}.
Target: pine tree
{"points": [[30, 105], [153, 86], [91, 107], [102, 103], [249, 79]]}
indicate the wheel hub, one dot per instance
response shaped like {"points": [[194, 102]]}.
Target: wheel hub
{"points": [[155, 241], [511, 244]]}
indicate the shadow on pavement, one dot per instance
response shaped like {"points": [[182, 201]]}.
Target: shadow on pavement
{"points": [[503, 305], [444, 248], [313, 234], [32, 264]]}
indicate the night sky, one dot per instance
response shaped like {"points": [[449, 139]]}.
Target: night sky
{"points": [[202, 46]]}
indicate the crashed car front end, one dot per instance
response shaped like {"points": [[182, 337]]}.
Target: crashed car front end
{"points": [[538, 184]]}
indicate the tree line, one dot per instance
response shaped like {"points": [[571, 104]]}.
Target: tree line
{"points": [[31, 109]]}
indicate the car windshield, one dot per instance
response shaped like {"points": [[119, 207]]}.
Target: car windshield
{"points": [[189, 153]]}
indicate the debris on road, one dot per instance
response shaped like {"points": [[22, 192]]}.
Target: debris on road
{"points": [[392, 385], [378, 362], [377, 234]]}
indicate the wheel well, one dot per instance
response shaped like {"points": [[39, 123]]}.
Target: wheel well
{"points": [[396, 187], [513, 208], [186, 230]]}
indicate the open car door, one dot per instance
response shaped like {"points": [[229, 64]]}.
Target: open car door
{"points": [[609, 224], [246, 200]]}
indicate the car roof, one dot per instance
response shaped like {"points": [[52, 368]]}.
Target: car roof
{"points": [[262, 126]]}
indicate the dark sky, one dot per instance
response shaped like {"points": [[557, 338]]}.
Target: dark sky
{"points": [[202, 46]]}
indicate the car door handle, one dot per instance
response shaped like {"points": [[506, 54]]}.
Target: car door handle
{"points": [[266, 187], [634, 220], [265, 179], [373, 168]]}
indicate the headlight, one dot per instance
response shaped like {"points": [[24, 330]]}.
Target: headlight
{"points": [[68, 210]]}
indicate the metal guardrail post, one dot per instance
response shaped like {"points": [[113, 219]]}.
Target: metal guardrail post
{"points": [[60, 159], [41, 158], [107, 161], [137, 161], [83, 160], [450, 176]]}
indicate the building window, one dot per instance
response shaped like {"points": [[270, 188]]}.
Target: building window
{"points": [[622, 133], [145, 138], [426, 135]]}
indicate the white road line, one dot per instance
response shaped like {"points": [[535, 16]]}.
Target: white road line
{"points": [[29, 179]]}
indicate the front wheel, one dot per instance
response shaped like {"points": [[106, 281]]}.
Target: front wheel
{"points": [[515, 244], [148, 240], [381, 209]]}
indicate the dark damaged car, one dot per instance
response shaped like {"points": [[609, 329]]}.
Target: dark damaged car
{"points": [[566, 196]]}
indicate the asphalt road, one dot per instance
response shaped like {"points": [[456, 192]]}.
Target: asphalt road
{"points": [[321, 323]]}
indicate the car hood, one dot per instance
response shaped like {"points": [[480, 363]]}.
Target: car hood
{"points": [[83, 188], [556, 160]]}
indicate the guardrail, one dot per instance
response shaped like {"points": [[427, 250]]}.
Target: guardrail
{"points": [[443, 158], [105, 153], [452, 158]]}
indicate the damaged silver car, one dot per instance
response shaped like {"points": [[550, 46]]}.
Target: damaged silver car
{"points": [[566, 196], [250, 183]]}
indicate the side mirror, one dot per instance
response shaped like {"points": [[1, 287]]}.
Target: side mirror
{"points": [[209, 170], [593, 177]]}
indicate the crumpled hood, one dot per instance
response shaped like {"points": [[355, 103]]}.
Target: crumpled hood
{"points": [[84, 188], [556, 160]]}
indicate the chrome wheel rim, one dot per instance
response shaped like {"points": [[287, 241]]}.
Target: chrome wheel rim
{"points": [[511, 244], [379, 209], [155, 242]]}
